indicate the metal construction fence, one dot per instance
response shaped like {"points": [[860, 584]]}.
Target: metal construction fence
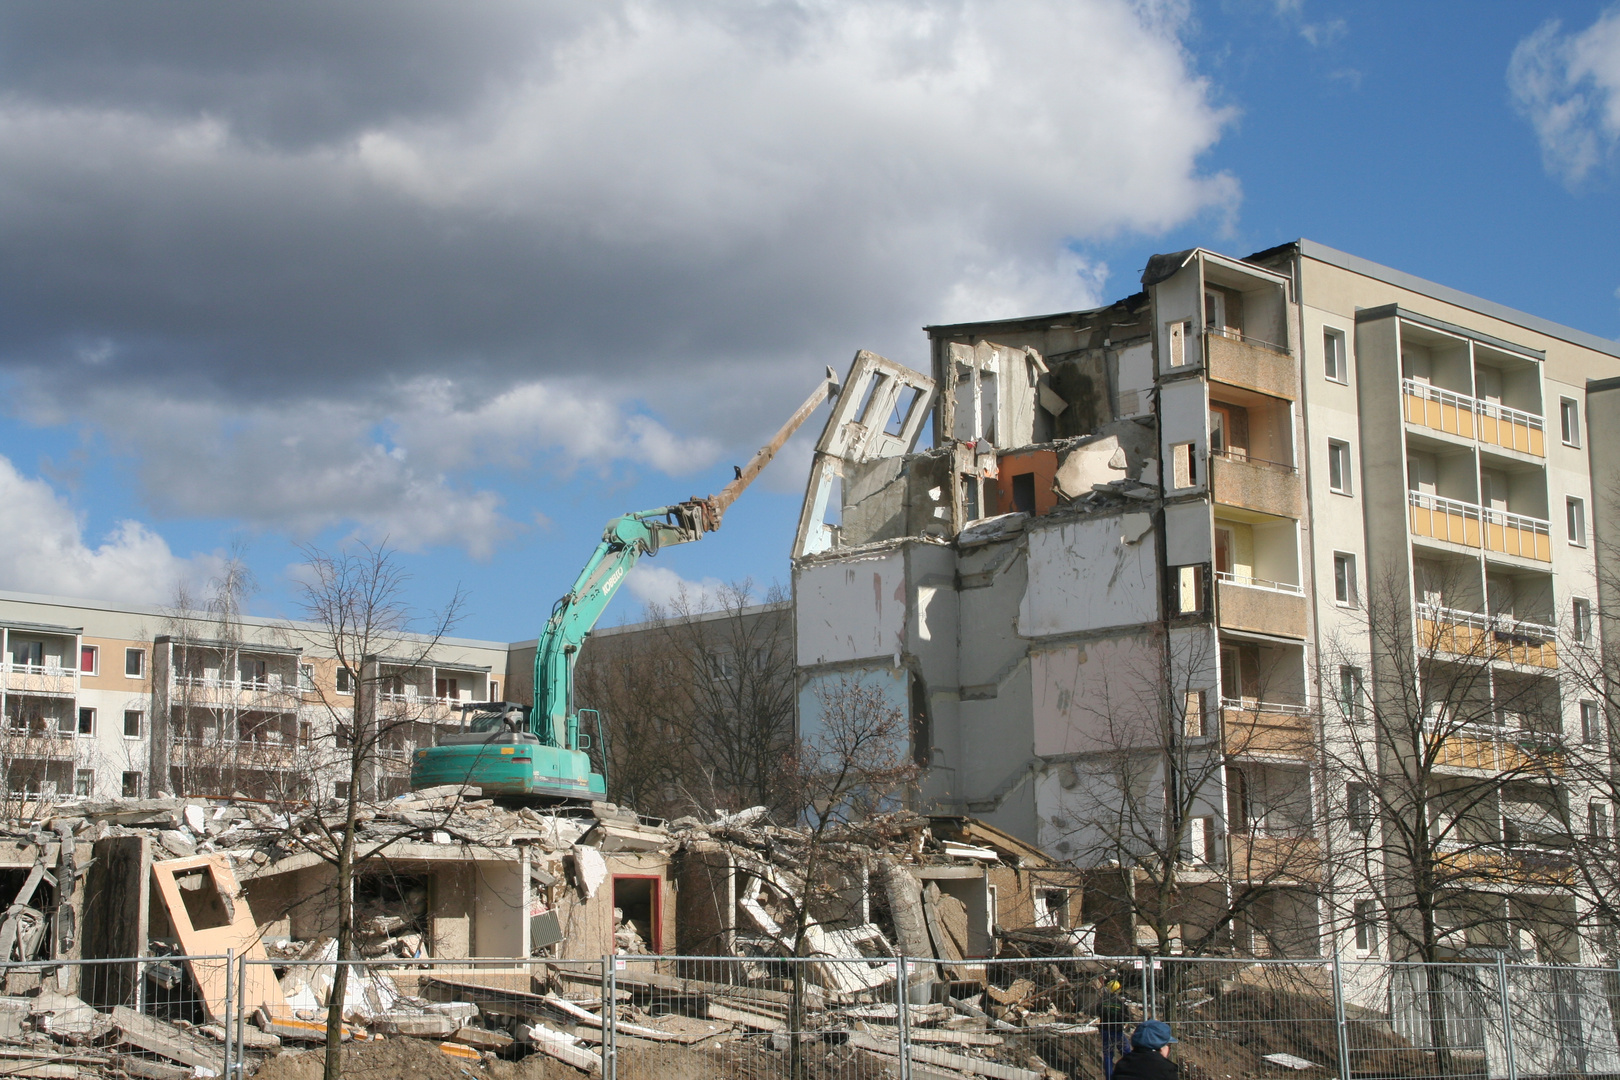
{"points": [[661, 1017]]}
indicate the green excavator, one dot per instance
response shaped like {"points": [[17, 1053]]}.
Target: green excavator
{"points": [[538, 753]]}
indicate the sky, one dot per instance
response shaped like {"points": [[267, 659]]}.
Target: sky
{"points": [[471, 279]]}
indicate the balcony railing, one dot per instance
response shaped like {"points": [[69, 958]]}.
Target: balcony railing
{"points": [[41, 678], [1258, 583], [1232, 333], [1471, 525], [1472, 418], [1488, 637]]}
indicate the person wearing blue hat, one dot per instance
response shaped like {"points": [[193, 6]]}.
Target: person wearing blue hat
{"points": [[1149, 1058]]}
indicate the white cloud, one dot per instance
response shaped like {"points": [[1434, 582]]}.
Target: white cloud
{"points": [[386, 467], [43, 550], [662, 586], [1568, 86]]}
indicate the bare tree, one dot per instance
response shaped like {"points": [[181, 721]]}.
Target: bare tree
{"points": [[699, 703], [1442, 765], [356, 613], [1194, 816]]}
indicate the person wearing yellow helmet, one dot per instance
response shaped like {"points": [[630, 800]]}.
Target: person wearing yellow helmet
{"points": [[1111, 1023]]}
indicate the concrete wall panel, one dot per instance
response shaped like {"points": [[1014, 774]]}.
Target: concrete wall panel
{"points": [[1083, 575], [852, 610], [1097, 695]]}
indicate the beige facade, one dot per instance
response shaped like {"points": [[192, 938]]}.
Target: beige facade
{"points": [[107, 701]]}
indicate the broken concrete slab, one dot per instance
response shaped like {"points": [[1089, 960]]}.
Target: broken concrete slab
{"points": [[165, 1040], [482, 1038], [564, 1048]]}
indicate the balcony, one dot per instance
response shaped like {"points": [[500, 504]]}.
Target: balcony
{"points": [[1527, 866], [1274, 858], [1255, 365], [1259, 607], [1499, 638], [37, 744], [42, 679], [1268, 487], [1470, 418], [1477, 748], [217, 753], [1264, 729], [270, 694], [409, 706], [1468, 524]]}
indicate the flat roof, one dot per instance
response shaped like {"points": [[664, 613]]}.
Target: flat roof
{"points": [[1310, 249]]}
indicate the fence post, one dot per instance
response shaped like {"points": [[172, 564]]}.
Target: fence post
{"points": [[230, 998], [610, 1018], [1507, 1016], [241, 1011], [1339, 1017], [1150, 988], [902, 997]]}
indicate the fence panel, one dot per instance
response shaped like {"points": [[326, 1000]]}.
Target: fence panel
{"points": [[1564, 1020], [90, 1017]]}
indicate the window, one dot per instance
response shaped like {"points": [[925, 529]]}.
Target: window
{"points": [[1023, 493], [1339, 466], [306, 732], [87, 722], [1358, 804], [135, 663], [1591, 723], [1344, 579], [1352, 695], [132, 723], [89, 656], [1052, 907], [132, 785], [28, 653], [1580, 620], [1334, 365], [1193, 715], [1179, 332], [447, 689], [84, 782], [345, 681], [255, 672], [1185, 465], [1575, 521], [1597, 820], [494, 689], [1190, 590], [1569, 420], [306, 676], [1366, 926]]}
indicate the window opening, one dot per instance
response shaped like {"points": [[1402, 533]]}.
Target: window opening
{"points": [[132, 723], [1333, 355], [87, 721], [1339, 466], [88, 655], [1344, 579], [135, 662], [1569, 421], [1023, 493], [1575, 521]]}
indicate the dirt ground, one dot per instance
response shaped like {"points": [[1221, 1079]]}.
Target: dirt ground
{"points": [[389, 1059]]}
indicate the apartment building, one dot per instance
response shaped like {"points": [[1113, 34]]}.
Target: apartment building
{"points": [[106, 701], [1146, 576]]}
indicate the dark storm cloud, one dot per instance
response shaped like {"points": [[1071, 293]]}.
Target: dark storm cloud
{"points": [[292, 225]]}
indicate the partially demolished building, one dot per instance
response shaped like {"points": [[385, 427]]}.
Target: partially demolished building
{"points": [[1113, 562]]}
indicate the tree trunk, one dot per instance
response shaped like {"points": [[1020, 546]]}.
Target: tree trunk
{"points": [[345, 929]]}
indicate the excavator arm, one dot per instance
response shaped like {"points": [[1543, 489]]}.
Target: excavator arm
{"points": [[554, 719]]}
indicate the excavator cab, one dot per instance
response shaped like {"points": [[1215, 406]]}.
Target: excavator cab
{"points": [[490, 721]]}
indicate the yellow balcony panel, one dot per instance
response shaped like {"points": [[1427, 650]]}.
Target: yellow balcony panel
{"points": [[1438, 410], [1257, 366], [1517, 535], [1513, 430], [1497, 638], [1259, 610], [1439, 518]]}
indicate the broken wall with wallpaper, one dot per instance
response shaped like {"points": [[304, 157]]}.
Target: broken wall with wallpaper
{"points": [[1035, 575]]}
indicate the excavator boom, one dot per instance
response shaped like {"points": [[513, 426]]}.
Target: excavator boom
{"points": [[538, 751]]}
